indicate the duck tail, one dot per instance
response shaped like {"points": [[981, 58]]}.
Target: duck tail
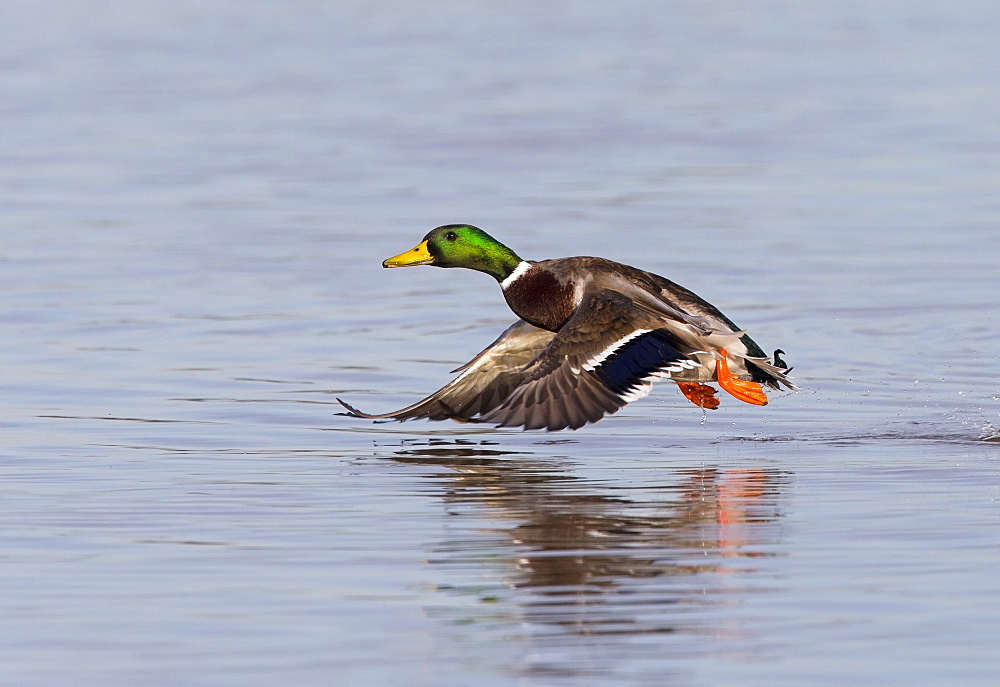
{"points": [[773, 374]]}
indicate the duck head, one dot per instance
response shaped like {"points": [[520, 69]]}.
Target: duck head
{"points": [[460, 245]]}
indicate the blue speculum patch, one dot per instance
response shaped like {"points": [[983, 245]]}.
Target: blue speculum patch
{"points": [[626, 367]]}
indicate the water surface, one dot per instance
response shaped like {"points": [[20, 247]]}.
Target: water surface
{"points": [[196, 201]]}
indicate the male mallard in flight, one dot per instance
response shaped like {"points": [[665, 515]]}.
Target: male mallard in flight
{"points": [[593, 336]]}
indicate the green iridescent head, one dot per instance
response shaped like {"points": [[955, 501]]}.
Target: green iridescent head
{"points": [[460, 245]]}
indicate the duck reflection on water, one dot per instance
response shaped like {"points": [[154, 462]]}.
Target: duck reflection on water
{"points": [[586, 551]]}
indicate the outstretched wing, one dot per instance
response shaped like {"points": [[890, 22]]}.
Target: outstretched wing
{"points": [[605, 356], [486, 380]]}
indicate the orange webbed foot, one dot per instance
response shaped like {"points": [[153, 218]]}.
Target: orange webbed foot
{"points": [[748, 392], [701, 395]]}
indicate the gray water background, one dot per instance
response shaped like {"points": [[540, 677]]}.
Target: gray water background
{"points": [[195, 201]]}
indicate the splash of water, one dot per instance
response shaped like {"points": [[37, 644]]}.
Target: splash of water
{"points": [[988, 432]]}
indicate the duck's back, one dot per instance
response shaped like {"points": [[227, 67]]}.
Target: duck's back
{"points": [[672, 293]]}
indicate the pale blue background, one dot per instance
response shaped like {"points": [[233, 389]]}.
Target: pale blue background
{"points": [[195, 201]]}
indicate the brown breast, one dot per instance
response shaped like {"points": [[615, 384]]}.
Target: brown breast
{"points": [[540, 298]]}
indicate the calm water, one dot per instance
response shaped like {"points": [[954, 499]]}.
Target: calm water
{"points": [[196, 199]]}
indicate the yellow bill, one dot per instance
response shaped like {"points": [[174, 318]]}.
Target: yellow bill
{"points": [[417, 256]]}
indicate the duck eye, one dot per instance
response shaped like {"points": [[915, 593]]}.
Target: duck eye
{"points": [[451, 236]]}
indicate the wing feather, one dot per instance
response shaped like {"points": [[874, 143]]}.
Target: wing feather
{"points": [[601, 359], [485, 383]]}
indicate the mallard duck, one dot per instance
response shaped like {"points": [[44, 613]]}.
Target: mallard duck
{"points": [[593, 335]]}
